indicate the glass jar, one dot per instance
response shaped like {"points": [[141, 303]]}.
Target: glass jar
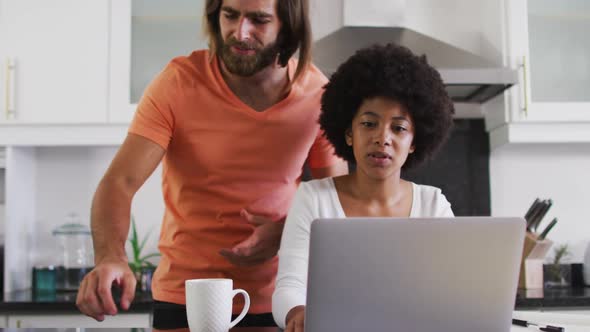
{"points": [[77, 258]]}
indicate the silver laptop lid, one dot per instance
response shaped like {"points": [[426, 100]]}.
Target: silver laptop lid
{"points": [[425, 275]]}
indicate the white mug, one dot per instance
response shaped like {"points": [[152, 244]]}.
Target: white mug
{"points": [[209, 304]]}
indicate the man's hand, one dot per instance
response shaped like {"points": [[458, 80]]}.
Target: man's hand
{"points": [[261, 246], [295, 319], [94, 295]]}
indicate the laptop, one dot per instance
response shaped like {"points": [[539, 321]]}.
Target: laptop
{"points": [[422, 274]]}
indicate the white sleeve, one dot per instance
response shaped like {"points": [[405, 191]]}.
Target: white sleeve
{"points": [[291, 283]]}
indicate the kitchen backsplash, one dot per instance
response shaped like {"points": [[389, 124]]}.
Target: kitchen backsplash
{"points": [[461, 169]]}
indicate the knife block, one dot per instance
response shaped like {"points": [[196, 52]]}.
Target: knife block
{"points": [[531, 265]]}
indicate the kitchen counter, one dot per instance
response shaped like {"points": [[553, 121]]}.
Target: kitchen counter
{"points": [[553, 298], [235, 329], [567, 298], [25, 301]]}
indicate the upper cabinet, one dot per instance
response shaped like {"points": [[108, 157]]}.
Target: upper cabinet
{"points": [[145, 36], [548, 41], [54, 61]]}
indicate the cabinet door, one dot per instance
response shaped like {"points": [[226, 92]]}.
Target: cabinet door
{"points": [[145, 36], [56, 53], [548, 41]]}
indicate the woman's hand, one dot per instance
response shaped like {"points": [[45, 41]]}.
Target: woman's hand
{"points": [[295, 319]]}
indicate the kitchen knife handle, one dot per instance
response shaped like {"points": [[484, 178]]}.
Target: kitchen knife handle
{"points": [[547, 229], [546, 206], [534, 214], [529, 212]]}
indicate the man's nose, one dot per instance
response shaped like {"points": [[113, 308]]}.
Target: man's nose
{"points": [[244, 29]]}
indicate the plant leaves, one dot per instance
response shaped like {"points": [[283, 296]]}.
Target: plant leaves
{"points": [[155, 254], [144, 241], [138, 262]]}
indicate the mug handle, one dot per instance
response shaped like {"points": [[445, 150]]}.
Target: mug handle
{"points": [[246, 306]]}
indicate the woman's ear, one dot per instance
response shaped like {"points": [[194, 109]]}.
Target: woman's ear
{"points": [[412, 148], [348, 137]]}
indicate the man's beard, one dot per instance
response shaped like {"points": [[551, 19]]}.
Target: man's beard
{"points": [[246, 65]]}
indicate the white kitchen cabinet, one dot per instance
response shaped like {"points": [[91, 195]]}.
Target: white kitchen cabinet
{"points": [[548, 41], [145, 36], [54, 58], [60, 320], [3, 321]]}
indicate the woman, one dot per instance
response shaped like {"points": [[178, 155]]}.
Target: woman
{"points": [[384, 109]]}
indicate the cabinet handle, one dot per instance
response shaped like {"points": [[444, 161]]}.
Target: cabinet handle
{"points": [[525, 84], [10, 89]]}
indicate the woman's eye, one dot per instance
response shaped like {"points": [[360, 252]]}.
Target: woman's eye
{"points": [[368, 124], [399, 128], [230, 16]]}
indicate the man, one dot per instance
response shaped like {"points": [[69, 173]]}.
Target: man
{"points": [[234, 126]]}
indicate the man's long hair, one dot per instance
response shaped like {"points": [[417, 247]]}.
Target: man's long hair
{"points": [[295, 33]]}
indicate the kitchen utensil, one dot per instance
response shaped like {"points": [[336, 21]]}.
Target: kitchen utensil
{"points": [[547, 229], [533, 211], [541, 212], [527, 215]]}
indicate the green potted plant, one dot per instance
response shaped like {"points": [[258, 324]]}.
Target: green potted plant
{"points": [[558, 274], [140, 265]]}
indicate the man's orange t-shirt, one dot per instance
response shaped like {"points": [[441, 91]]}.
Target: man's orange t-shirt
{"points": [[223, 156]]}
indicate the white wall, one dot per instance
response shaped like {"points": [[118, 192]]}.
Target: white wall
{"points": [[66, 180], [520, 173]]}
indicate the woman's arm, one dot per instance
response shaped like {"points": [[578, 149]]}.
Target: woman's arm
{"points": [[291, 283]]}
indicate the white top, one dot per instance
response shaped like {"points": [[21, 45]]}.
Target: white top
{"points": [[319, 199]]}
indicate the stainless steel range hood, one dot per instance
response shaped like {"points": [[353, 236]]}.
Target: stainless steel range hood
{"points": [[469, 78]]}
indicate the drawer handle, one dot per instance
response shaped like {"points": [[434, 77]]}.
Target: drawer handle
{"points": [[10, 89], [525, 87]]}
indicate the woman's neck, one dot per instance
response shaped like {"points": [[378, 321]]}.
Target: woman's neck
{"points": [[381, 191]]}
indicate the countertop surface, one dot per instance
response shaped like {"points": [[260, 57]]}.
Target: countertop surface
{"points": [[526, 300], [235, 329], [560, 298], [25, 300]]}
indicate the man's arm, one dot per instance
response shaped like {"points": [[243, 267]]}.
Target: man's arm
{"points": [[135, 161], [339, 168]]}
